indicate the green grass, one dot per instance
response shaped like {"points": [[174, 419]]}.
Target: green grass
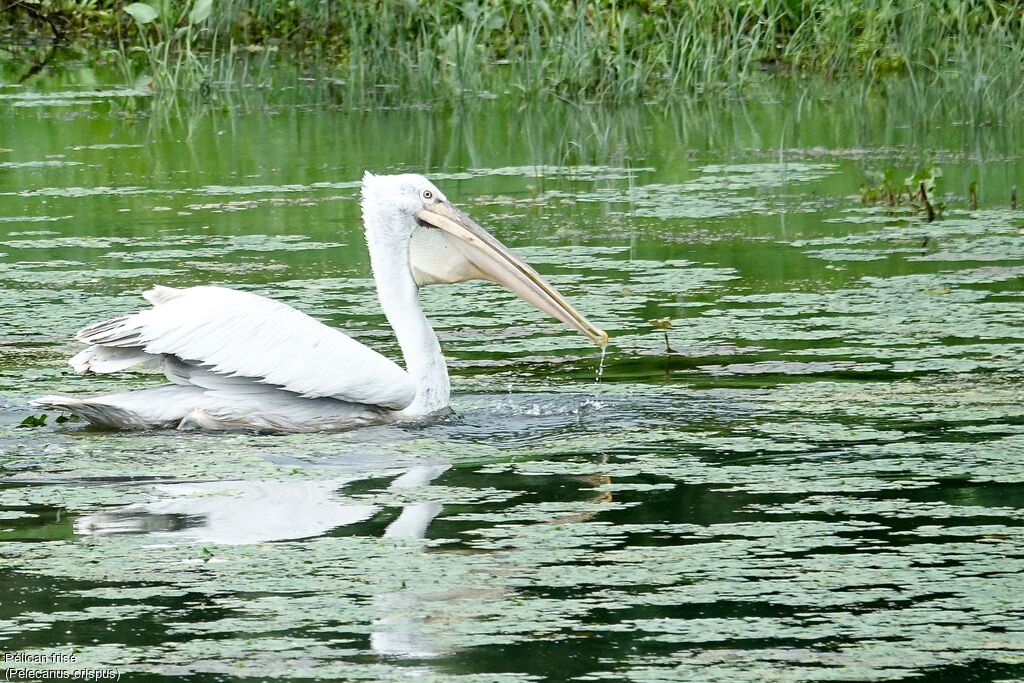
{"points": [[395, 52]]}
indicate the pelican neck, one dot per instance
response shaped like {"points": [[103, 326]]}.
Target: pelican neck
{"points": [[399, 298]]}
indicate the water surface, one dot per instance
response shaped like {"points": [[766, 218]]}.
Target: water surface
{"points": [[822, 481]]}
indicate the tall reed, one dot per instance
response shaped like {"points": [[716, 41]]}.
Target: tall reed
{"points": [[401, 52]]}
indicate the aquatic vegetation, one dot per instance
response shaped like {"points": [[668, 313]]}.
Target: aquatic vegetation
{"points": [[918, 189], [822, 483], [34, 421], [663, 324], [396, 52], [167, 41]]}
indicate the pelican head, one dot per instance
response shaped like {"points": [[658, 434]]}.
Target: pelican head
{"points": [[444, 245]]}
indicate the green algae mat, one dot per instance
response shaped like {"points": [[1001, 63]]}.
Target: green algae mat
{"points": [[802, 458]]}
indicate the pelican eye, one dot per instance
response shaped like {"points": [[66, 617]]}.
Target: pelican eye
{"points": [[427, 194]]}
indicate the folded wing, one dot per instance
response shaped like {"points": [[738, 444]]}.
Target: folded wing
{"points": [[238, 334]]}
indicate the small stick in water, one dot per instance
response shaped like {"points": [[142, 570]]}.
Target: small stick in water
{"points": [[664, 324], [1013, 197], [928, 208]]}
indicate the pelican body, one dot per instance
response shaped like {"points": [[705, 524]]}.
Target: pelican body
{"points": [[236, 360]]}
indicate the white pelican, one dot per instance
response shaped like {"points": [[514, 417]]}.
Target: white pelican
{"points": [[240, 361]]}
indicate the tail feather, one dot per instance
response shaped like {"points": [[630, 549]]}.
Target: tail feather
{"points": [[105, 359], [116, 332], [260, 407], [99, 414], [92, 333], [157, 408]]}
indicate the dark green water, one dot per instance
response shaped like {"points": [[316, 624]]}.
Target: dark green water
{"points": [[824, 481]]}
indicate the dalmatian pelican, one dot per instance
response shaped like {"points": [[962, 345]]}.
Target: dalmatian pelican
{"points": [[236, 360]]}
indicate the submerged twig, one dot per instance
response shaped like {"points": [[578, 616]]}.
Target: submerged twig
{"points": [[664, 324], [929, 210]]}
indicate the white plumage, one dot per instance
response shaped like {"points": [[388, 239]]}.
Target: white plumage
{"points": [[236, 333], [236, 360]]}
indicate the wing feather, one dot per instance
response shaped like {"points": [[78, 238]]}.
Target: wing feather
{"points": [[235, 333]]}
